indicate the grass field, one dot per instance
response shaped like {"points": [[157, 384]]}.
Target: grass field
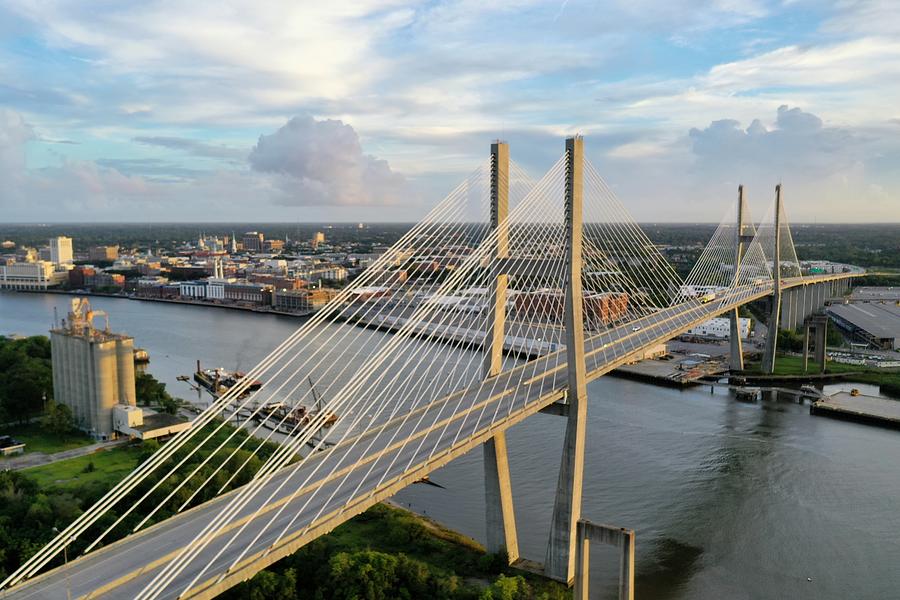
{"points": [[108, 466], [793, 365], [38, 440]]}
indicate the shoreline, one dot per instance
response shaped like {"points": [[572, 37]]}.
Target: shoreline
{"points": [[249, 309]]}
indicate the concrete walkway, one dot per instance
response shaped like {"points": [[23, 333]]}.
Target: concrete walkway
{"points": [[36, 459]]}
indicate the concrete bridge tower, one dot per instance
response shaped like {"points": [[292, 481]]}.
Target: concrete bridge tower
{"points": [[741, 236], [768, 364], [500, 514], [560, 561]]}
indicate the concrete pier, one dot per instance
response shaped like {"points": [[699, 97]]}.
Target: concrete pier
{"points": [[611, 536], [862, 409]]}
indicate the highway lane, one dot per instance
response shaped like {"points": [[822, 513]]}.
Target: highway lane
{"points": [[371, 463]]}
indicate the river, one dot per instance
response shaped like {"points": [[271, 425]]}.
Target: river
{"points": [[728, 499]]}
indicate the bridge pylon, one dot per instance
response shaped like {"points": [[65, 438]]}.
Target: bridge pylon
{"points": [[499, 511], [768, 364], [741, 236], [560, 560]]}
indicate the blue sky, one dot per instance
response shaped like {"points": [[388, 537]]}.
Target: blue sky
{"points": [[374, 109]]}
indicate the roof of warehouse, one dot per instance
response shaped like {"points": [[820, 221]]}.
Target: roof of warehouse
{"points": [[880, 320]]}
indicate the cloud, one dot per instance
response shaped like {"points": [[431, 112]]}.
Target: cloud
{"points": [[830, 172], [322, 162], [306, 163], [798, 141], [193, 147]]}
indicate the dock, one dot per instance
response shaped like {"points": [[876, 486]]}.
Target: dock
{"points": [[871, 410], [671, 373]]}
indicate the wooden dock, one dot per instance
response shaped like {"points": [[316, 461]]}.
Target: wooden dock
{"points": [[862, 409]]}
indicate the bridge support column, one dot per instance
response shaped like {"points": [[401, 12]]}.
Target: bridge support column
{"points": [[768, 365], [736, 355], [821, 341], [560, 561], [500, 518], [787, 309], [806, 348], [807, 304]]}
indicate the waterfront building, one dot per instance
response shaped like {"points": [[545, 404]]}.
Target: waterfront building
{"points": [[79, 275], [192, 289], [61, 250], [301, 300], [248, 293], [32, 276], [93, 370]]}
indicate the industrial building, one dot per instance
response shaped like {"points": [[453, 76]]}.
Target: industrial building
{"points": [[877, 324], [93, 370], [720, 327]]}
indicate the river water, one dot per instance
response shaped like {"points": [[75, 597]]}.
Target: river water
{"points": [[728, 499]]}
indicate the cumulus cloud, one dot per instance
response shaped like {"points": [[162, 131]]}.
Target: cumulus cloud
{"points": [[322, 162], [305, 163], [823, 166], [798, 140]]}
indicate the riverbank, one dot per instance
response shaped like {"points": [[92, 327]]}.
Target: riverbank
{"points": [[252, 309], [789, 371]]}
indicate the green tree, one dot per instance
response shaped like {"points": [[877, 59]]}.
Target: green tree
{"points": [[151, 392], [58, 419], [507, 588]]}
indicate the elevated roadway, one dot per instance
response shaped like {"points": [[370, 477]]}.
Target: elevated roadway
{"points": [[364, 470]]}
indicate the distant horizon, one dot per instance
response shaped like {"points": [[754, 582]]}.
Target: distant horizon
{"points": [[326, 223]]}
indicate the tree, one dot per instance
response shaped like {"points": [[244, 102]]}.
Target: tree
{"points": [[151, 392], [58, 419], [507, 588]]}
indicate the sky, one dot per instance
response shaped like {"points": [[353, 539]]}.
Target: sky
{"points": [[373, 110]]}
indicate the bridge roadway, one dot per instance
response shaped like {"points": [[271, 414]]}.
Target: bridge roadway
{"points": [[401, 449]]}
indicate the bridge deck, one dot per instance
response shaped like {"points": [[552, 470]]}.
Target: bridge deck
{"points": [[377, 464]]}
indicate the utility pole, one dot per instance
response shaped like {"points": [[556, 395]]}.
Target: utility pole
{"points": [[499, 511], [560, 561], [737, 351], [775, 315]]}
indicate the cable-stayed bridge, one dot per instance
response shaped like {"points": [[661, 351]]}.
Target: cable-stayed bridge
{"points": [[505, 301]]}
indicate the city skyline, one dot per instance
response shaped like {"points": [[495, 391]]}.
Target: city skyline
{"points": [[241, 113]]}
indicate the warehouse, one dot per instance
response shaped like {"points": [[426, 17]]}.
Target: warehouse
{"points": [[877, 324]]}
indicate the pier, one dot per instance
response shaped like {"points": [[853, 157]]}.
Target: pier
{"points": [[871, 410]]}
